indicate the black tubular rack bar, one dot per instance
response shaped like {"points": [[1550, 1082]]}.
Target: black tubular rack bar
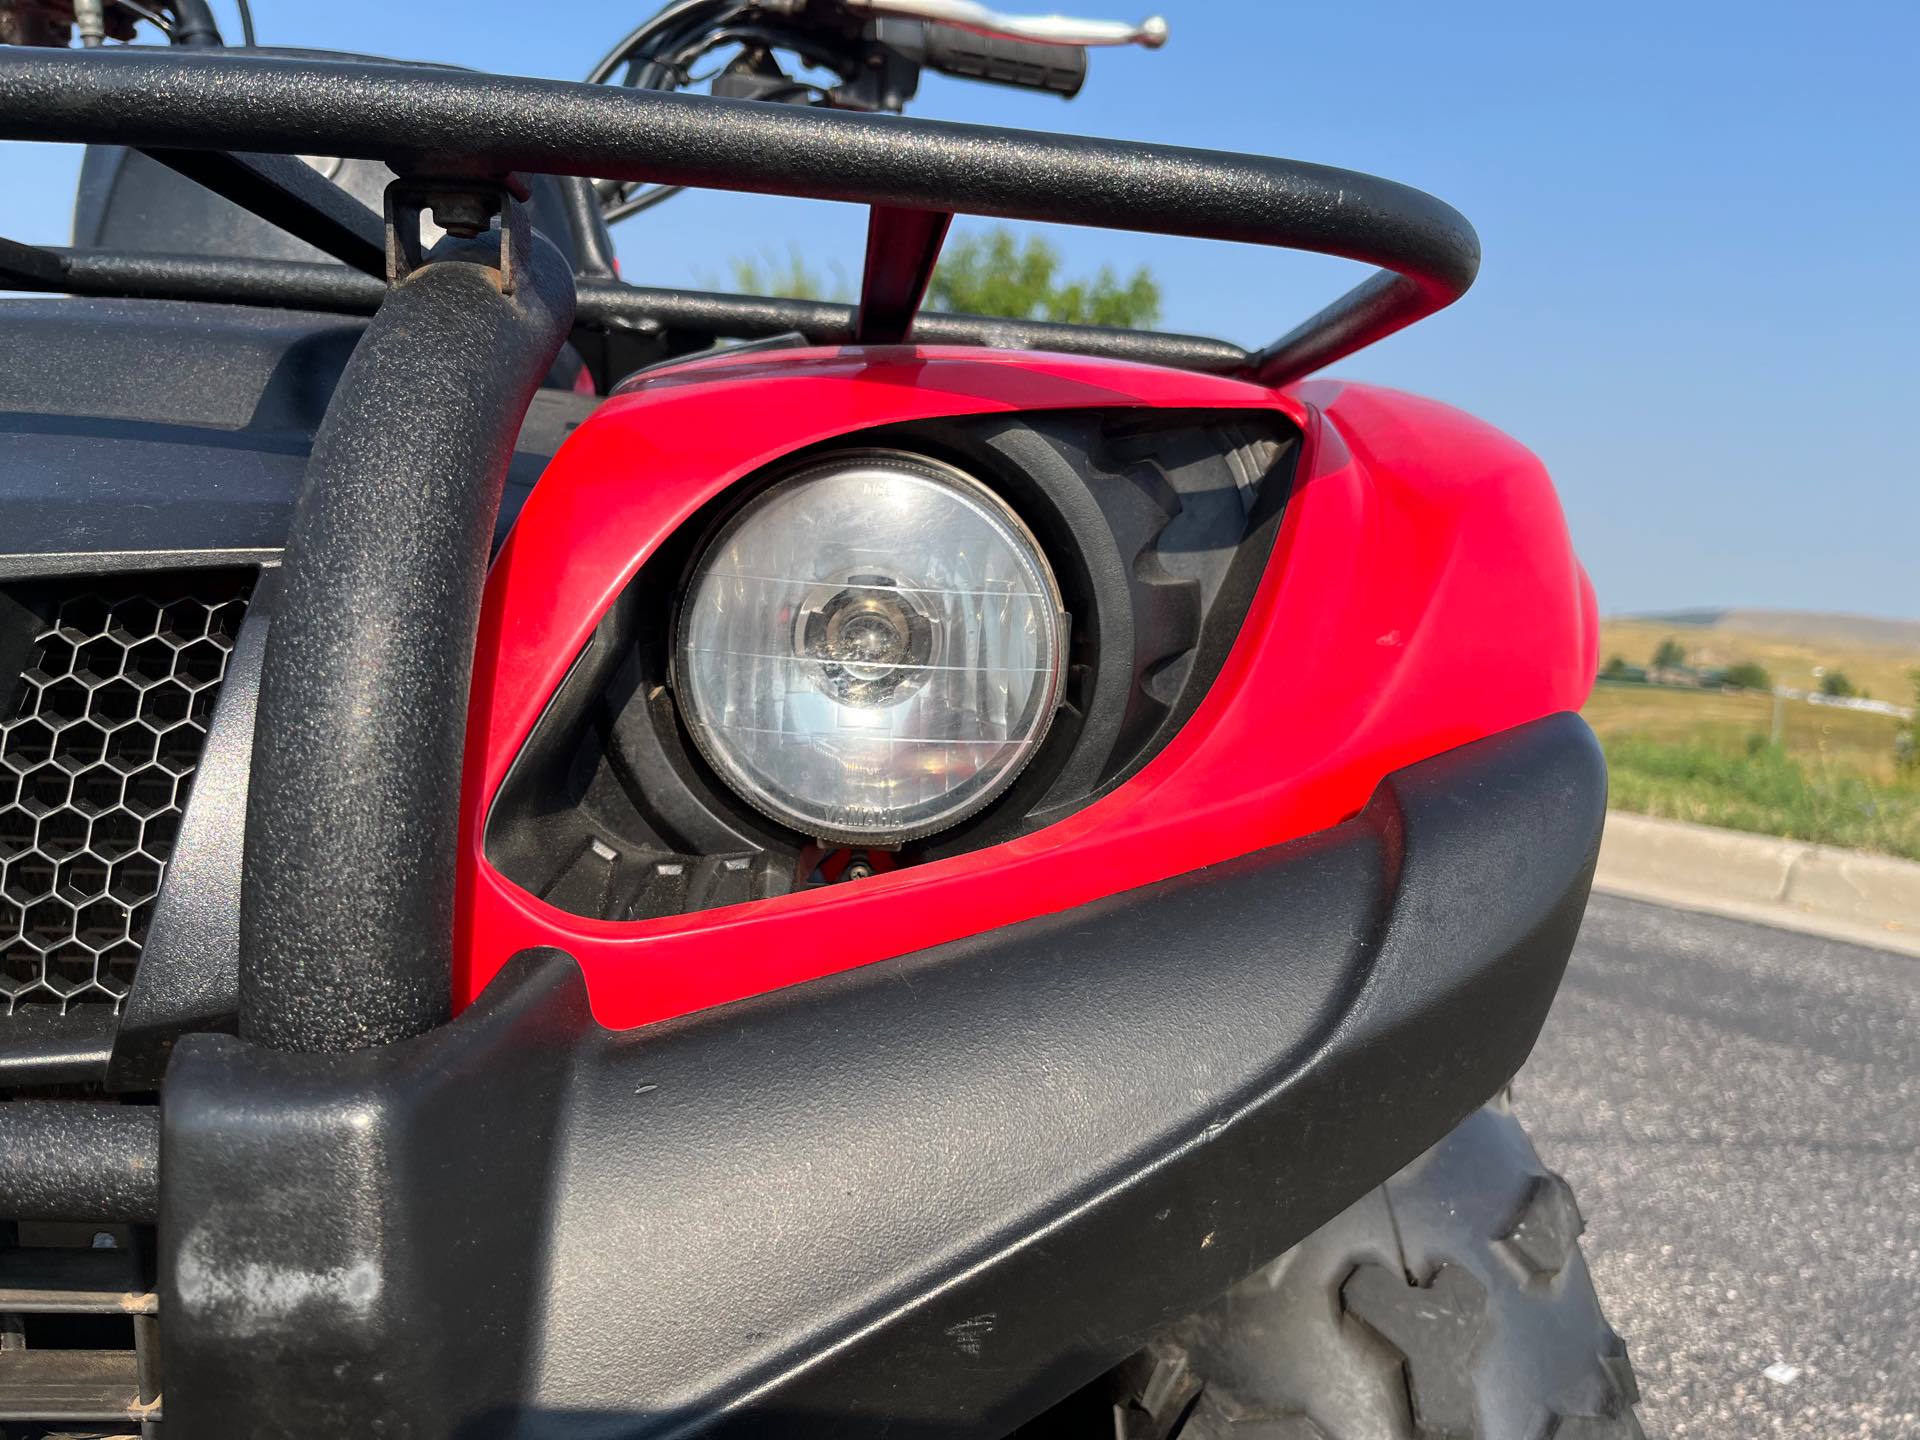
{"points": [[434, 122]]}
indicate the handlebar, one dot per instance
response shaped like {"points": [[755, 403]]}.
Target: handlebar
{"points": [[1026, 64], [1033, 29], [877, 47]]}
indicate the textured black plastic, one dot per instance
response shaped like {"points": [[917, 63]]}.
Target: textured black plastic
{"points": [[189, 973], [292, 196], [423, 119], [40, 1046], [347, 904], [161, 435], [1189, 505], [927, 1197], [258, 375], [76, 1160], [148, 435], [129, 202]]}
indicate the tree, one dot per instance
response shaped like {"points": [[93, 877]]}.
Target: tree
{"points": [[1671, 655], [1836, 684], [790, 279], [1614, 668], [993, 272], [1746, 675], [990, 272]]}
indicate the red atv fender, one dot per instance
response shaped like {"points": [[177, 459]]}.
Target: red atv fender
{"points": [[1422, 593]]}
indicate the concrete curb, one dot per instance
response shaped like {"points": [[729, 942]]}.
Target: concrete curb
{"points": [[1843, 894]]}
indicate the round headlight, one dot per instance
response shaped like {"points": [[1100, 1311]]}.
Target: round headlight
{"points": [[870, 650]]}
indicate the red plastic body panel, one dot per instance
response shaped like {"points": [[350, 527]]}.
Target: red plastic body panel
{"points": [[1422, 593]]}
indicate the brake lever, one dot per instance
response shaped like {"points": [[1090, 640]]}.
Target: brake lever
{"points": [[1036, 29]]}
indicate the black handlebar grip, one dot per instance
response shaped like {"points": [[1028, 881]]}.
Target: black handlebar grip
{"points": [[1025, 63]]}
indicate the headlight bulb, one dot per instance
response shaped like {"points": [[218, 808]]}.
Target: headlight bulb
{"points": [[872, 649]]}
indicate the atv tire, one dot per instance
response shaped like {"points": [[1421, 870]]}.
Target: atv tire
{"points": [[1452, 1303]]}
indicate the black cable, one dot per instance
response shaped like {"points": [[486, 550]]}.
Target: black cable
{"points": [[641, 53], [660, 62], [156, 18], [623, 52], [634, 203], [246, 23]]}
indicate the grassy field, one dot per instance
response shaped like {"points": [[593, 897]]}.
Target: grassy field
{"points": [[1880, 671], [1707, 756]]}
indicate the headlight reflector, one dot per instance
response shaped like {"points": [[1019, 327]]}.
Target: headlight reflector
{"points": [[872, 649]]}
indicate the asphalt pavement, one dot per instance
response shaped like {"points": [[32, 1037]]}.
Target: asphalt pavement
{"points": [[1738, 1110]]}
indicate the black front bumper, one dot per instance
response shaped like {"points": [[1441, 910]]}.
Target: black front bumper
{"points": [[926, 1197]]}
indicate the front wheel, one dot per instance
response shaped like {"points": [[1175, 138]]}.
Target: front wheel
{"points": [[1453, 1301]]}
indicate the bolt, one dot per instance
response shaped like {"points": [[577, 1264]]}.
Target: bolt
{"points": [[462, 213]]}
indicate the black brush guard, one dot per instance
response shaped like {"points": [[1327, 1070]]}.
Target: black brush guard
{"points": [[930, 1197]]}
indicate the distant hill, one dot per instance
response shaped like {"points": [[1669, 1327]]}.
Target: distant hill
{"points": [[1877, 655], [1809, 627]]}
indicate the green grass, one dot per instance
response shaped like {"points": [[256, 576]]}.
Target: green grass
{"points": [[1825, 737], [1829, 775], [1759, 787]]}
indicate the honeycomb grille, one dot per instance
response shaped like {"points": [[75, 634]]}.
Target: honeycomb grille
{"points": [[96, 759]]}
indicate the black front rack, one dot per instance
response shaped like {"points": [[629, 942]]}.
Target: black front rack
{"points": [[363, 676], [232, 122]]}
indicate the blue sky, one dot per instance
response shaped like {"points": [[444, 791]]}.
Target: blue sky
{"points": [[1701, 225]]}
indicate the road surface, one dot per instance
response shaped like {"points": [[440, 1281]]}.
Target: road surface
{"points": [[1738, 1109]]}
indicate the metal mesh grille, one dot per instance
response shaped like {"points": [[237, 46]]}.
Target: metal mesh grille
{"points": [[96, 759]]}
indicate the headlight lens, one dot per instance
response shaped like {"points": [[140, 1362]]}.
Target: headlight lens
{"points": [[871, 650]]}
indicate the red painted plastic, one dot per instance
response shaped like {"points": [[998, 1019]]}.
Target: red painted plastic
{"points": [[1422, 593]]}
